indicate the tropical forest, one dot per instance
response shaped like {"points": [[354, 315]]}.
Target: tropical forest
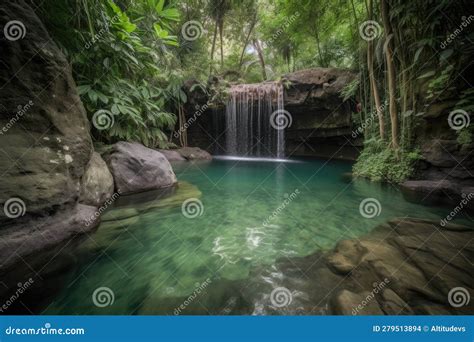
{"points": [[236, 157]]}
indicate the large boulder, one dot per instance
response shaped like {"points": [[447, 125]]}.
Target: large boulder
{"points": [[137, 168], [44, 140], [44, 132], [97, 184]]}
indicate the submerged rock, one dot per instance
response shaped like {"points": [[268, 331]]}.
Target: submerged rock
{"points": [[97, 183], [406, 266], [29, 237], [136, 168]]}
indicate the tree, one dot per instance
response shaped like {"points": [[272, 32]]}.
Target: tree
{"points": [[392, 88]]}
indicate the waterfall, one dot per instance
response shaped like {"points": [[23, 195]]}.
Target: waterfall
{"points": [[253, 118]]}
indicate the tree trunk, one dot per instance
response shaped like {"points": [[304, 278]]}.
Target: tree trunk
{"points": [[391, 72], [221, 28], [213, 47], [252, 25], [318, 45], [373, 82], [256, 44]]}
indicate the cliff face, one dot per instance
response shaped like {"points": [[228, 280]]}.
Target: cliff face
{"points": [[322, 121], [443, 156], [44, 139]]}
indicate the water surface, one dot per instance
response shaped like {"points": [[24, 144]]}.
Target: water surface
{"points": [[252, 214]]}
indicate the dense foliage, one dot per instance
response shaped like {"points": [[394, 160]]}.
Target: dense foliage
{"points": [[131, 57]]}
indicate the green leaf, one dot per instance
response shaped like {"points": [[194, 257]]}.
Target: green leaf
{"points": [[83, 89], [115, 109], [92, 95], [445, 54], [417, 54], [170, 14], [159, 6], [428, 74]]}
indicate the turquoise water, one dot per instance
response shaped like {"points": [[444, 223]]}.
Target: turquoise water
{"points": [[252, 214]]}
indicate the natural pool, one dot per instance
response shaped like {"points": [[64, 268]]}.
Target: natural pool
{"points": [[161, 255]]}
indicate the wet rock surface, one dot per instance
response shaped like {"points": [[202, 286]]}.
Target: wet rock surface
{"points": [[27, 238]]}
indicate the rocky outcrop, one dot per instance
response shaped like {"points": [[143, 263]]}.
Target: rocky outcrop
{"points": [[431, 192], [44, 140], [32, 237], [44, 130], [136, 168], [186, 153], [447, 164], [97, 183], [322, 121]]}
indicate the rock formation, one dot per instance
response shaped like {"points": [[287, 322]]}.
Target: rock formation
{"points": [[44, 140], [136, 168]]}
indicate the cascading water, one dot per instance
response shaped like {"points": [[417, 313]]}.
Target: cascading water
{"points": [[255, 120]]}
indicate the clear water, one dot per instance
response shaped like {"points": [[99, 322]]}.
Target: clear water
{"points": [[162, 254]]}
